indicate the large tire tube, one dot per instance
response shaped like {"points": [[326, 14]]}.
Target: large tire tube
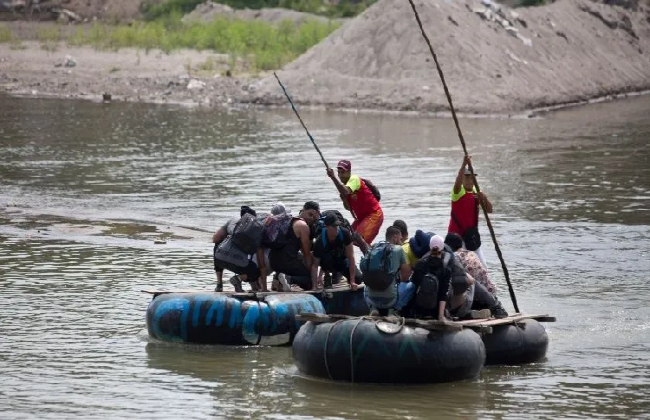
{"points": [[345, 302], [412, 355], [210, 318], [520, 343]]}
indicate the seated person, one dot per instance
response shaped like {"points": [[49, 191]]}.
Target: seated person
{"points": [[481, 294], [333, 252], [227, 255], [432, 278], [403, 229], [470, 261], [383, 267], [416, 247]]}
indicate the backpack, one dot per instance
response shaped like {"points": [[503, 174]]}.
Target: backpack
{"points": [[227, 255], [427, 294], [376, 267], [325, 242], [247, 234], [275, 231], [373, 188], [321, 222]]}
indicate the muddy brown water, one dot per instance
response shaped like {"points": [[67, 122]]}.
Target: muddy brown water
{"points": [[87, 187]]}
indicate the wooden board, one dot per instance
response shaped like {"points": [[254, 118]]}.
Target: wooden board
{"points": [[505, 321], [433, 325], [342, 288], [478, 325]]}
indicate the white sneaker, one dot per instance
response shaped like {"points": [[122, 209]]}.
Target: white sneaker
{"points": [[282, 279]]}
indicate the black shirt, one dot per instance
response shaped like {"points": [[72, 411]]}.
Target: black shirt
{"points": [[336, 247]]}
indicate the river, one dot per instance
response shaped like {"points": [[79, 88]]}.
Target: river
{"points": [[86, 188]]}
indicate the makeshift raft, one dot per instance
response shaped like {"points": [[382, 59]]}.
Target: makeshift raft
{"points": [[338, 299], [402, 350], [221, 318]]}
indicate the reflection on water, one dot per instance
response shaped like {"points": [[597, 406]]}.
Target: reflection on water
{"points": [[86, 188]]}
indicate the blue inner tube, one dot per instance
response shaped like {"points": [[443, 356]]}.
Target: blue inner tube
{"points": [[211, 318], [524, 342], [412, 355]]}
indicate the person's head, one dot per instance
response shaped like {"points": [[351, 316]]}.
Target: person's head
{"points": [[401, 225], [454, 240], [332, 224], [436, 246], [393, 235], [278, 208], [468, 181], [344, 170], [310, 212], [245, 209]]}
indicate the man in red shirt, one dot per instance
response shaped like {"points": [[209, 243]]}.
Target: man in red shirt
{"points": [[465, 204], [359, 199]]}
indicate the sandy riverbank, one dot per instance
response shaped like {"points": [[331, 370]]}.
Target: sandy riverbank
{"points": [[128, 75], [497, 61]]}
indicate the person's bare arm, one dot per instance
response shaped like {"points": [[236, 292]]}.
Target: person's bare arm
{"points": [[485, 201], [441, 310], [461, 174], [262, 266], [344, 199], [349, 251], [405, 272], [315, 284], [219, 235], [301, 230], [343, 190]]}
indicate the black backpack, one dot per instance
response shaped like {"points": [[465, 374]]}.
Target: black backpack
{"points": [[373, 188], [427, 294], [247, 234]]}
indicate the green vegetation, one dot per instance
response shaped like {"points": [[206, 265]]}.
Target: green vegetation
{"points": [[263, 45], [528, 3], [250, 45], [345, 8], [5, 34]]}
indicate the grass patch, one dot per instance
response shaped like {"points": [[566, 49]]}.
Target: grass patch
{"points": [[344, 8], [5, 34], [48, 34], [17, 45], [266, 46]]}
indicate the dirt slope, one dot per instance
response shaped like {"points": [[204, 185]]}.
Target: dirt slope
{"points": [[569, 51]]}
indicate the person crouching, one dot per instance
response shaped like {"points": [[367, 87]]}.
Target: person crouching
{"points": [[383, 267], [333, 252]]}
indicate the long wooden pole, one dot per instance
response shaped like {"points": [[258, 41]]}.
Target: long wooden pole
{"points": [[471, 169], [301, 122], [308, 133]]}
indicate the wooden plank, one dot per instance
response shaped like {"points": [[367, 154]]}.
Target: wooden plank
{"points": [[432, 325], [505, 321], [337, 289]]}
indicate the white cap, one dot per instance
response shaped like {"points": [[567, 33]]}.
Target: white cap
{"points": [[436, 242]]}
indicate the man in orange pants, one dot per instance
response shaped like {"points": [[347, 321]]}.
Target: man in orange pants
{"points": [[359, 199]]}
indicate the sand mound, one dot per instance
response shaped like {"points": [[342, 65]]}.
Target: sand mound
{"points": [[209, 11], [495, 59]]}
